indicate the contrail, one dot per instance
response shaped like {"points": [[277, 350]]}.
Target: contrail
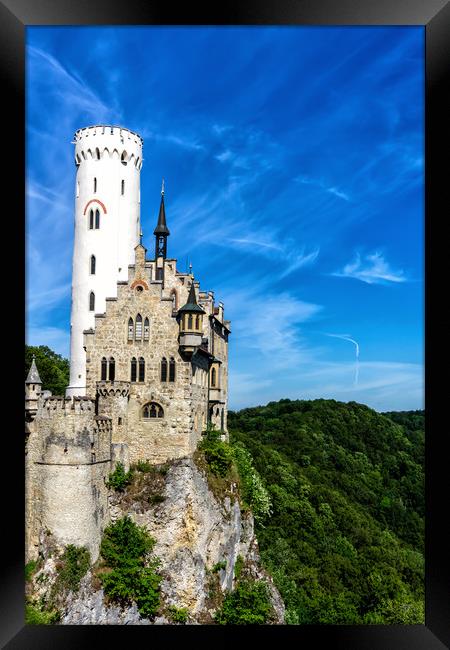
{"points": [[346, 337]]}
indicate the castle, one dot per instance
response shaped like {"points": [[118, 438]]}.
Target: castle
{"points": [[148, 354]]}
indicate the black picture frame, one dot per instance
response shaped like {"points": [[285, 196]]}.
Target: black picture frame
{"points": [[434, 16]]}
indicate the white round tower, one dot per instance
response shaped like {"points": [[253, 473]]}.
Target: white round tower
{"points": [[107, 227]]}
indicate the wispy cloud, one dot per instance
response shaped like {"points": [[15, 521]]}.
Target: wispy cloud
{"points": [[373, 269], [331, 189]]}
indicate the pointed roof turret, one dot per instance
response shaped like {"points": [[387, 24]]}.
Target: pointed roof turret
{"points": [[33, 375], [161, 226], [192, 305]]}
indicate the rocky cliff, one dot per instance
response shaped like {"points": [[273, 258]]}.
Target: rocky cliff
{"points": [[200, 533]]}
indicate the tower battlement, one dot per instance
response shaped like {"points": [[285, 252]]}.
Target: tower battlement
{"points": [[115, 142]]}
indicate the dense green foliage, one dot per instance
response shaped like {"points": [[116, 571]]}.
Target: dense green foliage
{"points": [[73, 565], [253, 492], [53, 368], [119, 478], [248, 604], [345, 540], [34, 615], [125, 550], [218, 454], [178, 614]]}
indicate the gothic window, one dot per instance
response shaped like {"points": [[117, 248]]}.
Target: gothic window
{"points": [[172, 369], [95, 185], [164, 369], [152, 410], [97, 219], [130, 329], [91, 219], [213, 377], [92, 264], [112, 369], [141, 369], [138, 331], [197, 322], [104, 364], [133, 369], [189, 322], [146, 329], [91, 301], [122, 187]]}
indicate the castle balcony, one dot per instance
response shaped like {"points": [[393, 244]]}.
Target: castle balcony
{"points": [[216, 396], [113, 388]]}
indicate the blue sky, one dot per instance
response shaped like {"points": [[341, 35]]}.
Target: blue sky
{"points": [[294, 183]]}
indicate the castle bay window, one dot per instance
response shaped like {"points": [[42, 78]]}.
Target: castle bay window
{"points": [[138, 332], [141, 369], [172, 369], [152, 410], [103, 373], [133, 369], [164, 369], [112, 369], [189, 322]]}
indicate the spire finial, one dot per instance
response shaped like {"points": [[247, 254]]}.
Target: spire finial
{"points": [[190, 268], [162, 188], [141, 234]]}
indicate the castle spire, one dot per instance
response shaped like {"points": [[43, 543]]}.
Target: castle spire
{"points": [[33, 375], [192, 305], [161, 231]]}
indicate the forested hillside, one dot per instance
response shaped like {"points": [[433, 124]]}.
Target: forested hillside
{"points": [[345, 540]]}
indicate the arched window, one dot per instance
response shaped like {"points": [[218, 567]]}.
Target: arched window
{"points": [[213, 377], [91, 219], [189, 322], [138, 331], [146, 329], [141, 369], [130, 329], [197, 322], [92, 266], [97, 219], [112, 369], [152, 410], [133, 369], [104, 364], [164, 369], [172, 369], [91, 301], [95, 185], [122, 187]]}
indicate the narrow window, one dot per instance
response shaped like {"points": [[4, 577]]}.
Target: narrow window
{"points": [[197, 322], [213, 377], [174, 300], [104, 364], [97, 219], [141, 369], [164, 369], [92, 264], [138, 333], [122, 188], [153, 411], [123, 158], [91, 301], [172, 369], [97, 154], [119, 421], [130, 329], [133, 369], [146, 329], [146, 412], [189, 322], [95, 185], [91, 219], [112, 369]]}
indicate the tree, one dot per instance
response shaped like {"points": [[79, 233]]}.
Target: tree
{"points": [[53, 368]]}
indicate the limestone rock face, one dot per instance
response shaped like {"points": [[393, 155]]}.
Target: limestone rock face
{"points": [[194, 531]]}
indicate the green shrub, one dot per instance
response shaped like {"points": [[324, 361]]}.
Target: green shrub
{"points": [[249, 604], [143, 466], [156, 498], [254, 493], [179, 614], [36, 616], [220, 565], [125, 548], [30, 569], [238, 566], [218, 454], [76, 561], [119, 479]]}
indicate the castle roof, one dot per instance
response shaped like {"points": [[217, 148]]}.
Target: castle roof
{"points": [[191, 305], [161, 226], [33, 375]]}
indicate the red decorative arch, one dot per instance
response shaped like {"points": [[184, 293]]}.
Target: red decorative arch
{"points": [[139, 283], [94, 201]]}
